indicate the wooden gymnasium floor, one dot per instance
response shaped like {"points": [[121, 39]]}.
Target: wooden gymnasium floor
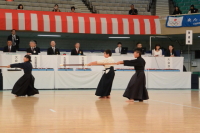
{"points": [[79, 111]]}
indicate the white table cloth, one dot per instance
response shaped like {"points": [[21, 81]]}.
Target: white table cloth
{"points": [[90, 79], [43, 79], [54, 61], [159, 80]]}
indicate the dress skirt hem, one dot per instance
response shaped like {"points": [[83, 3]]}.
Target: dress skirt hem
{"points": [[136, 88]]}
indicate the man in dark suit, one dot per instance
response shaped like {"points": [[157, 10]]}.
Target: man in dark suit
{"points": [[9, 47], [77, 50], [53, 50], [37, 48], [33, 50], [15, 39]]}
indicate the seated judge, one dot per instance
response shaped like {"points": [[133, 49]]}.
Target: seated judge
{"points": [[53, 50], [77, 50], [37, 48], [139, 47], [33, 50], [119, 47], [9, 47], [157, 51], [170, 52]]}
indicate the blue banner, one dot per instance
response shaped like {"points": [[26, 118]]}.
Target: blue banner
{"points": [[183, 21]]}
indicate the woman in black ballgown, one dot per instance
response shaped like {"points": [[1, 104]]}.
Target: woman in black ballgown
{"points": [[136, 89], [25, 85], [105, 84]]}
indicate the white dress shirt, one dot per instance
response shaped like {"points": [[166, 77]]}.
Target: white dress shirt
{"points": [[53, 49], [118, 50], [157, 53], [13, 40], [9, 48]]}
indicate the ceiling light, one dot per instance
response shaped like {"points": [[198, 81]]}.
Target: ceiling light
{"points": [[50, 35], [118, 37], [160, 36]]}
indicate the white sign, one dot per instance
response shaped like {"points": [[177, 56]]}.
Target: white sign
{"points": [[189, 37], [64, 60], [82, 60], [16, 59], [168, 63], [35, 61]]}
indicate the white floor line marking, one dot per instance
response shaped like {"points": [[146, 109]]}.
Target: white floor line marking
{"points": [[52, 110], [176, 104]]}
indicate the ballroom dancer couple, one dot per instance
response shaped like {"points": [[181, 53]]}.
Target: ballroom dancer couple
{"points": [[136, 89]]}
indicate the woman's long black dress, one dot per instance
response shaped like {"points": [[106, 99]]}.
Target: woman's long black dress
{"points": [[136, 88], [105, 84], [25, 85]]}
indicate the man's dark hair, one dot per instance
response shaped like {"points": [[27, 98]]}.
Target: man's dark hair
{"points": [[72, 7], [119, 43], [9, 40], [56, 5], [171, 45], [13, 29], [138, 51], [108, 52], [138, 43], [35, 41]]}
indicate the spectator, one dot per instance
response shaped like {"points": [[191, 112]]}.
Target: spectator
{"points": [[192, 9], [119, 47], [56, 8], [73, 9], [53, 50], [9, 47], [15, 39], [139, 47], [33, 50], [177, 11], [157, 51], [133, 11], [20, 7], [170, 52], [77, 50]]}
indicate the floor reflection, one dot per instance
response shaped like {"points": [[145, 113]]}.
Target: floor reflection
{"points": [[24, 109], [136, 115], [104, 110]]}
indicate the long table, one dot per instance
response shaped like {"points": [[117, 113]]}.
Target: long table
{"points": [[54, 61], [90, 79]]}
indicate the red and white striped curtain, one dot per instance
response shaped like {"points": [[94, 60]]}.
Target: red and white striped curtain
{"points": [[44, 21]]}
